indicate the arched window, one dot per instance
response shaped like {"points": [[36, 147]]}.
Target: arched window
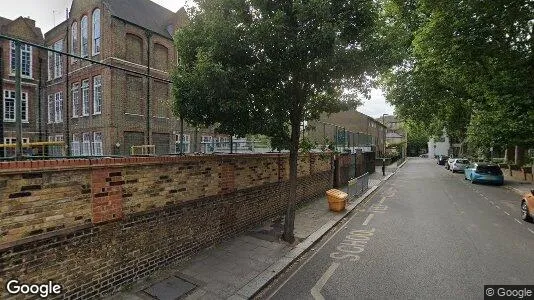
{"points": [[134, 48], [84, 40], [96, 31], [74, 39]]}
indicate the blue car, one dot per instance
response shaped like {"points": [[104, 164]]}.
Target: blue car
{"points": [[484, 173]]}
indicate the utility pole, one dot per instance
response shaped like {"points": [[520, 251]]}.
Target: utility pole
{"points": [[18, 101]]}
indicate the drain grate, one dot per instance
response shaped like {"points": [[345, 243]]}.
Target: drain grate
{"points": [[171, 288]]}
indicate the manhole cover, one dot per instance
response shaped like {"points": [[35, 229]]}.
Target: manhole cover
{"points": [[171, 288]]}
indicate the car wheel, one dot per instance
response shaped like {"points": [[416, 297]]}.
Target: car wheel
{"points": [[525, 214]]}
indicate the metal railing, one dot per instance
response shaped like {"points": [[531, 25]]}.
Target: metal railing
{"points": [[358, 186]]}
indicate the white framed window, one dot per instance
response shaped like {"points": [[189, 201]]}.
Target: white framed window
{"points": [[97, 95], [75, 99], [73, 40], [84, 37], [58, 107], [9, 106], [206, 139], [50, 65], [25, 60], [58, 138], [96, 31], [186, 146], [97, 143], [24, 103], [58, 46], [86, 144], [75, 148], [85, 97], [10, 110], [12, 140], [50, 109]]}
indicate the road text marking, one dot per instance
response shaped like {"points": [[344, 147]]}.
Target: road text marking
{"points": [[316, 289], [531, 231], [369, 217], [506, 213], [382, 200], [497, 206], [518, 221], [492, 202]]}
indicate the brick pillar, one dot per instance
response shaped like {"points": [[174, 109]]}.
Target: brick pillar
{"points": [[107, 195], [227, 177]]}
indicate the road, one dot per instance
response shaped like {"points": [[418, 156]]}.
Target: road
{"points": [[425, 232]]}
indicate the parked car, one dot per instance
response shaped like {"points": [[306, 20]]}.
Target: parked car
{"points": [[442, 159], [484, 173], [459, 164], [448, 163], [527, 206]]}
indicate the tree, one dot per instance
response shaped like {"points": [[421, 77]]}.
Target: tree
{"points": [[468, 67], [263, 67]]}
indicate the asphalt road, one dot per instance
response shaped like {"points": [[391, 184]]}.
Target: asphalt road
{"points": [[425, 233]]}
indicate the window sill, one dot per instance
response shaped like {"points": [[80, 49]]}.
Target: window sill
{"points": [[97, 114]]}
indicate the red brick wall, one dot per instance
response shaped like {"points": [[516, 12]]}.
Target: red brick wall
{"points": [[97, 225]]}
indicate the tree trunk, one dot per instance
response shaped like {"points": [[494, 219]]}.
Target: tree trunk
{"points": [[289, 223]]}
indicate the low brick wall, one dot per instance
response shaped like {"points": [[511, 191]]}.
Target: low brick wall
{"points": [[518, 174], [94, 226]]}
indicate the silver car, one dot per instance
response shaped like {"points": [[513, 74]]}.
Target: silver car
{"points": [[459, 164]]}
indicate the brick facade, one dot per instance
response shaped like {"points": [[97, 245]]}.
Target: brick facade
{"points": [[97, 225], [24, 29]]}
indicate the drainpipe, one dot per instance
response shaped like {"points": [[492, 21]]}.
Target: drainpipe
{"points": [[39, 96], [67, 94], [147, 136], [18, 101]]}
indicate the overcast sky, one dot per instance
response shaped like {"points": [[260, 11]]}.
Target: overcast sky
{"points": [[48, 13]]}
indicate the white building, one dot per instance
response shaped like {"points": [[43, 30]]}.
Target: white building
{"points": [[439, 146]]}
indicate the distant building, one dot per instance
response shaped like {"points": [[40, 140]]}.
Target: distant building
{"points": [[439, 146], [349, 129]]}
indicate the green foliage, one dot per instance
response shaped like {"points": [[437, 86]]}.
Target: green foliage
{"points": [[466, 66], [418, 136], [261, 67]]}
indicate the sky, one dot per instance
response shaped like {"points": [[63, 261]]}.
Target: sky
{"points": [[48, 13]]}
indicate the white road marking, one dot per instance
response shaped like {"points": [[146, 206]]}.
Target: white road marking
{"points": [[382, 200], [506, 213], [324, 244], [369, 217], [497, 206], [518, 221], [492, 202], [316, 289], [531, 231]]}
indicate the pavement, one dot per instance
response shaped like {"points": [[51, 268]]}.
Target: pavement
{"points": [[425, 233], [240, 267], [518, 186]]}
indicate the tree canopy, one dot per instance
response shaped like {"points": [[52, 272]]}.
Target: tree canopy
{"points": [[465, 65], [263, 67]]}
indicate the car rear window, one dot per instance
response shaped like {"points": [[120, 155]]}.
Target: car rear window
{"points": [[492, 170]]}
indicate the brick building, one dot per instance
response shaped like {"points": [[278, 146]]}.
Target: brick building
{"points": [[31, 80], [368, 132], [95, 109]]}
